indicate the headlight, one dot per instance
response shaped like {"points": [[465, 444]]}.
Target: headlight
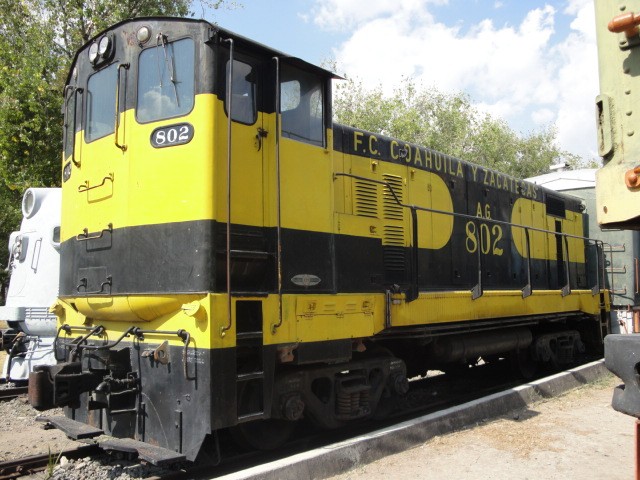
{"points": [[29, 203], [103, 45], [93, 52], [143, 34]]}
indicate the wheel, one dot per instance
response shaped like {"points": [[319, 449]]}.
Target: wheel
{"points": [[524, 364], [266, 434], [263, 434]]}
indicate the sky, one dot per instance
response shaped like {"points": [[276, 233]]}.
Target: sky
{"points": [[533, 63]]}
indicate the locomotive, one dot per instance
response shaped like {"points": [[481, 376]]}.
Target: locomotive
{"points": [[231, 259], [34, 264]]}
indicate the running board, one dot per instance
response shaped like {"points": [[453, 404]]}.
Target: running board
{"points": [[71, 428], [158, 456]]}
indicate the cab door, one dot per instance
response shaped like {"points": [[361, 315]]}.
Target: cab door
{"points": [[251, 248], [247, 140]]}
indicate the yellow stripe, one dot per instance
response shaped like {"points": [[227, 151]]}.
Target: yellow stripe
{"points": [[311, 318], [434, 308]]}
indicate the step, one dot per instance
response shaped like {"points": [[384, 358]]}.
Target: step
{"points": [[245, 377], [247, 417], [71, 428], [248, 336], [153, 454], [250, 254]]}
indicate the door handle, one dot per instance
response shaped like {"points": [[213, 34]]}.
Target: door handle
{"points": [[262, 133]]}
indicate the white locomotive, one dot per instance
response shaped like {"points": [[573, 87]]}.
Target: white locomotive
{"points": [[34, 266]]}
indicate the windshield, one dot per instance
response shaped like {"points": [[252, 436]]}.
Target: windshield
{"points": [[166, 80]]}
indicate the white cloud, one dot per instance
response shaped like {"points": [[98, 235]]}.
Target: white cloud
{"points": [[346, 14], [522, 72], [543, 117]]}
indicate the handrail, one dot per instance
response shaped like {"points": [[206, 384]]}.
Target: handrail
{"points": [[477, 291], [85, 187], [566, 289], [229, 101], [526, 228], [84, 236], [97, 330], [527, 290], [84, 282], [184, 335], [35, 259], [75, 118], [277, 325], [125, 66], [76, 90]]}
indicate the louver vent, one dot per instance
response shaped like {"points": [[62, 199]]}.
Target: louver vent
{"points": [[393, 235], [392, 209], [393, 245], [366, 199]]}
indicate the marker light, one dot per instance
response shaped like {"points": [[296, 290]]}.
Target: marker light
{"points": [[66, 172], [103, 45], [93, 52], [143, 34]]}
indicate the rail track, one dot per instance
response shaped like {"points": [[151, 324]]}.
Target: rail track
{"points": [[39, 463], [12, 392]]}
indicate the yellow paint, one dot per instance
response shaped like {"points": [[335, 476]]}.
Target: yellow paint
{"points": [[543, 245], [442, 307], [112, 315], [328, 317], [305, 318], [428, 190], [143, 192]]}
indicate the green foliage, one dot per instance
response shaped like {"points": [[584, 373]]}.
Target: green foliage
{"points": [[451, 124]]}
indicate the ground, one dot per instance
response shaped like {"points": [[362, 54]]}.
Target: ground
{"points": [[22, 435], [577, 435]]}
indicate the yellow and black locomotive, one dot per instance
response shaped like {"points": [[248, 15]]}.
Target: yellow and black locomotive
{"points": [[230, 258]]}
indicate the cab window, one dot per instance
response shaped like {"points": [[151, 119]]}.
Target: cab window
{"points": [[243, 101], [101, 103], [166, 75], [69, 122], [302, 106]]}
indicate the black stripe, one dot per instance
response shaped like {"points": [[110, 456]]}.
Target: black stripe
{"points": [[191, 257]]}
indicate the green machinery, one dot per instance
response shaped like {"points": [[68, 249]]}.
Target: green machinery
{"points": [[617, 110]]}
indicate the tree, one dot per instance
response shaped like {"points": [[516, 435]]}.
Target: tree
{"points": [[38, 39], [451, 124]]}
